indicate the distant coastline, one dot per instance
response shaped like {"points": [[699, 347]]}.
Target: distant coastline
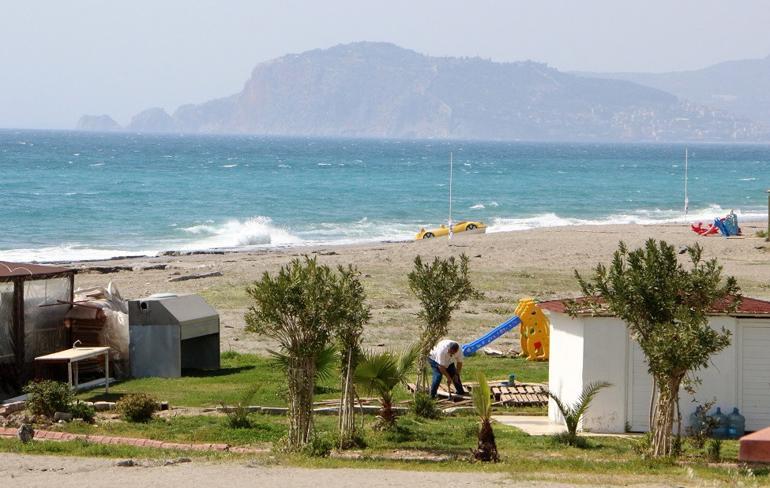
{"points": [[400, 93]]}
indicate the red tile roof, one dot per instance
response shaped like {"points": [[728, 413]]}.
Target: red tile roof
{"points": [[748, 307], [9, 271]]}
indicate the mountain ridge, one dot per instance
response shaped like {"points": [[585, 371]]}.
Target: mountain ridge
{"points": [[739, 86], [369, 89]]}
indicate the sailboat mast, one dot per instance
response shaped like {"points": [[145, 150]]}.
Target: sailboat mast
{"points": [[451, 164], [686, 200]]}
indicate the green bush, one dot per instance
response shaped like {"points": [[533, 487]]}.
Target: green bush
{"points": [[714, 450], [424, 406], [569, 439], [83, 411], [48, 397], [137, 407], [238, 417], [642, 445], [320, 445]]}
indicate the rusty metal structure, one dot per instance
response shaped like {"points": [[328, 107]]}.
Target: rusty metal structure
{"points": [[34, 300]]}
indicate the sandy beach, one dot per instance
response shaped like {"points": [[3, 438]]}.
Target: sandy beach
{"points": [[504, 266]]}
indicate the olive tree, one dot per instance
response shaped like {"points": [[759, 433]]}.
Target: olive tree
{"points": [[441, 287], [355, 314], [299, 307], [665, 307]]}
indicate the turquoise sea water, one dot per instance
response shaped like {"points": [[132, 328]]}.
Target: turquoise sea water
{"points": [[69, 195]]}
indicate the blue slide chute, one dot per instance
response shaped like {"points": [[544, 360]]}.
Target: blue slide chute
{"points": [[471, 348]]}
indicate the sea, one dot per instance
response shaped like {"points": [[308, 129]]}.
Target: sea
{"points": [[78, 196]]}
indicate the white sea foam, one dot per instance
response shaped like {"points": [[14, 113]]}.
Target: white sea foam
{"points": [[229, 165], [642, 217], [257, 231], [72, 252], [262, 232], [478, 206]]}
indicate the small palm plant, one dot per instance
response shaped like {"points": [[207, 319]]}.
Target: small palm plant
{"points": [[379, 373], [482, 403], [573, 413]]}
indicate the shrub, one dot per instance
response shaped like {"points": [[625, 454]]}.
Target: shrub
{"points": [[137, 407], [300, 307], [424, 406], [238, 416], [320, 445], [440, 287], [482, 403], [568, 439], [700, 432], [48, 397], [83, 411], [714, 450], [642, 445], [573, 413]]}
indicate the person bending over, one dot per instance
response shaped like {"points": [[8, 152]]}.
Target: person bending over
{"points": [[446, 360]]}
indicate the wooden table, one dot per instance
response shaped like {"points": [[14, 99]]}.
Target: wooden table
{"points": [[75, 355]]}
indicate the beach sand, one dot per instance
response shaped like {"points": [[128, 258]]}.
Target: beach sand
{"points": [[505, 267]]}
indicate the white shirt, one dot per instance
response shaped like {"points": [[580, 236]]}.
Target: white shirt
{"points": [[441, 354]]}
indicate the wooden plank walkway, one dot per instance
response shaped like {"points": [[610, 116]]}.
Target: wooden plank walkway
{"points": [[517, 395]]}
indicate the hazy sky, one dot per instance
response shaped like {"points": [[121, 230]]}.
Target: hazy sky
{"points": [[63, 58]]}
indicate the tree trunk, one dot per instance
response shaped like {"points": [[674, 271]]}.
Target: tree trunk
{"points": [[387, 415], [487, 447], [664, 417], [347, 420], [301, 376]]}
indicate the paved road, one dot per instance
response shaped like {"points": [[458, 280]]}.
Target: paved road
{"points": [[67, 472]]}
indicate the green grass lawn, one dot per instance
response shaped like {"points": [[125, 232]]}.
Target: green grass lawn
{"points": [[605, 460], [240, 372]]}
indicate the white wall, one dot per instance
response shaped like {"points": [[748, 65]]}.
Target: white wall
{"points": [[605, 354], [589, 349], [720, 379], [565, 364]]}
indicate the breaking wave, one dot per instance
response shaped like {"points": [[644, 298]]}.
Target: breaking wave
{"points": [[257, 231], [642, 217]]}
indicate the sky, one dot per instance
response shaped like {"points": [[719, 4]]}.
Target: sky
{"points": [[61, 59]]}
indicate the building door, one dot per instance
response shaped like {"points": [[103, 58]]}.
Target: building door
{"points": [[755, 376], [640, 389]]}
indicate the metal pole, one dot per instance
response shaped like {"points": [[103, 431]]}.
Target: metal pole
{"points": [[451, 163], [767, 237], [686, 200]]}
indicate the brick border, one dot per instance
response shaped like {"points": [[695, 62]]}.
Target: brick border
{"points": [[51, 435]]}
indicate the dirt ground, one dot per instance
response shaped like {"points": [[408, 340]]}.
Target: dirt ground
{"points": [[67, 472], [504, 266]]}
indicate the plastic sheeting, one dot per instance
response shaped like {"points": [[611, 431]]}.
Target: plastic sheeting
{"points": [[6, 324], [115, 331], [44, 330]]}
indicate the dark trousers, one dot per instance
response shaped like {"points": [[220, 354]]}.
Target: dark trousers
{"points": [[437, 378]]}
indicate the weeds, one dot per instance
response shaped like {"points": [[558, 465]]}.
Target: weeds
{"points": [[137, 407]]}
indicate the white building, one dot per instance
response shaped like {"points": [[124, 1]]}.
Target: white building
{"points": [[587, 348]]}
